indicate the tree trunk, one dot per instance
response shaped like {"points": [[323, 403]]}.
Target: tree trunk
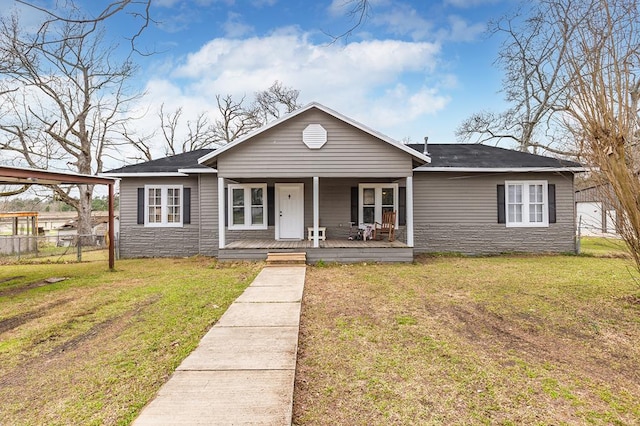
{"points": [[85, 236]]}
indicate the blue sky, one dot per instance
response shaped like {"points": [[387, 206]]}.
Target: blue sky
{"points": [[413, 69]]}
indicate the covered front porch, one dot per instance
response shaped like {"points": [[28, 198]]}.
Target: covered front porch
{"points": [[330, 250]]}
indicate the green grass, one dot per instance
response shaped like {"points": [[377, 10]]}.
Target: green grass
{"points": [[603, 247], [96, 347], [498, 340]]}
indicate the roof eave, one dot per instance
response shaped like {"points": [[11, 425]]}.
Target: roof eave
{"points": [[200, 170], [145, 174], [500, 169]]}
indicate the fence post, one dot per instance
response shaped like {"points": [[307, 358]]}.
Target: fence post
{"points": [[79, 244], [19, 239]]}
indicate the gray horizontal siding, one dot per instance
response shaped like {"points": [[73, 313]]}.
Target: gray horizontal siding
{"points": [[280, 152], [458, 213], [140, 241], [208, 215], [334, 212]]}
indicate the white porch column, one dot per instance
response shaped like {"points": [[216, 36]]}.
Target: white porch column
{"points": [[316, 211], [409, 213], [221, 210]]}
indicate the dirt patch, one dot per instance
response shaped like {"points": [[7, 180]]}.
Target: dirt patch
{"points": [[12, 291], [17, 320], [6, 280], [564, 347], [73, 352], [632, 299], [417, 348]]}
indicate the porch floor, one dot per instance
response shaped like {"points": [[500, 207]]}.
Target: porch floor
{"points": [[305, 244], [342, 250]]}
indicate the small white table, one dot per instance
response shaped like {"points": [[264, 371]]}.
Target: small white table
{"points": [[322, 232]]}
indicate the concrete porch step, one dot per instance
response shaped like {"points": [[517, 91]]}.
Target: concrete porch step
{"points": [[286, 259]]}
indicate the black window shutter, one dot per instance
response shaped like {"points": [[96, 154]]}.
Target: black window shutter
{"points": [[402, 206], [271, 206], [354, 204], [552, 202], [502, 218], [186, 207], [140, 206]]}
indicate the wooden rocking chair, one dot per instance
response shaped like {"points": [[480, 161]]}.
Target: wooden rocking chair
{"points": [[388, 225]]}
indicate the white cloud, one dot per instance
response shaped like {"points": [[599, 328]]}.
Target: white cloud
{"points": [[234, 27], [466, 4], [360, 79], [460, 30], [263, 3], [404, 20]]}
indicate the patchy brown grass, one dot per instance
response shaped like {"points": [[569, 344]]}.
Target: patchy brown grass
{"points": [[96, 347], [503, 340]]}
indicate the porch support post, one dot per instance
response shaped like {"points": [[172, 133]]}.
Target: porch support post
{"points": [[221, 210], [409, 192], [316, 211], [111, 230]]}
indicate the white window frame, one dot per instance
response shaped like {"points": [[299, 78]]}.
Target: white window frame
{"points": [[526, 223], [247, 187], [164, 206], [378, 187]]}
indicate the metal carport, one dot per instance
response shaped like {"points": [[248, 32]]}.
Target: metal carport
{"points": [[24, 176]]}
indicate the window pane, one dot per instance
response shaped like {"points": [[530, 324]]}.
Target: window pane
{"points": [[238, 215], [368, 196], [535, 193], [515, 212], [387, 209], [257, 215], [368, 214], [155, 214], [238, 197], [173, 205], [515, 193], [173, 214], [387, 197], [535, 213], [256, 196]]}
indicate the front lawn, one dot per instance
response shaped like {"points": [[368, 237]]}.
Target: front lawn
{"points": [[94, 348], [501, 340]]}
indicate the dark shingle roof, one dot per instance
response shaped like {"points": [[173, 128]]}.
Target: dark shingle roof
{"points": [[486, 157], [188, 160], [470, 156]]}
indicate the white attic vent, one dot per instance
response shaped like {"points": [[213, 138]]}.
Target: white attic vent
{"points": [[314, 136]]}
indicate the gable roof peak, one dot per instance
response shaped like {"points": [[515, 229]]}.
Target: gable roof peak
{"points": [[316, 105]]}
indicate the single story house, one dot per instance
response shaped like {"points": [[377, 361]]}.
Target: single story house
{"points": [[300, 183]]}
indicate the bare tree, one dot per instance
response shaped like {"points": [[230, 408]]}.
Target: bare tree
{"points": [[272, 103], [199, 132], [138, 10], [603, 69], [63, 92], [573, 68], [534, 84], [235, 120], [358, 11]]}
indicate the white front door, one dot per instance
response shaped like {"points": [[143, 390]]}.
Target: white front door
{"points": [[289, 211]]}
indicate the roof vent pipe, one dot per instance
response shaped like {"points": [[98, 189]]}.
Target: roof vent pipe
{"points": [[426, 143]]}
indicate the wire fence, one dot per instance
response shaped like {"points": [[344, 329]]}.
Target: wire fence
{"points": [[73, 247]]}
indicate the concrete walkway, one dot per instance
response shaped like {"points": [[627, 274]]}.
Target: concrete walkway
{"points": [[243, 370]]}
